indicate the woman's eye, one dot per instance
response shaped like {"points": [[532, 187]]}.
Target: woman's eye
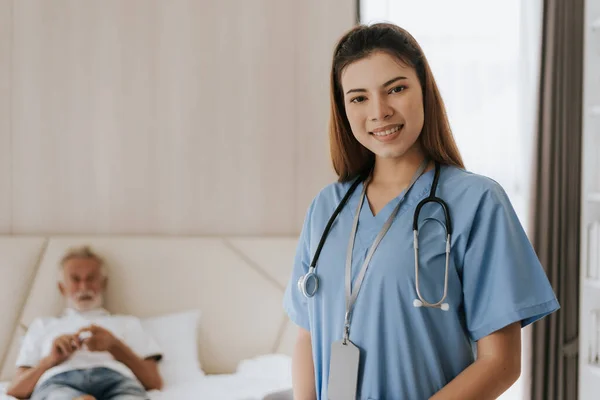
{"points": [[358, 99], [397, 89]]}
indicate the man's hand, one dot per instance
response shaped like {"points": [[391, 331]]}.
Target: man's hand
{"points": [[62, 348], [98, 338]]}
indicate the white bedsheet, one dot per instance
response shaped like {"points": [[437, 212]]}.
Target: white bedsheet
{"points": [[222, 387], [226, 387], [254, 380]]}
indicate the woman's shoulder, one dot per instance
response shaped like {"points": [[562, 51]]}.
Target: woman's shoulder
{"points": [[328, 197], [460, 182], [334, 190]]}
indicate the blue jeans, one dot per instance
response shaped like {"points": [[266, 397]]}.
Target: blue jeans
{"points": [[102, 383]]}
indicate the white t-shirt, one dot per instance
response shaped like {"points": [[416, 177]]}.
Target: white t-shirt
{"points": [[37, 343]]}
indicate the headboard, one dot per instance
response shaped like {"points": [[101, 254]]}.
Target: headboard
{"points": [[236, 282]]}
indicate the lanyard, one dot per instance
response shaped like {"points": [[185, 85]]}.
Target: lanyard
{"points": [[351, 295]]}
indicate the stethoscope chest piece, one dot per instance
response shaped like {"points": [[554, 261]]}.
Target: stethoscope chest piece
{"points": [[309, 284]]}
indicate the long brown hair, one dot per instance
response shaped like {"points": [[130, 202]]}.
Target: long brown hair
{"points": [[350, 158]]}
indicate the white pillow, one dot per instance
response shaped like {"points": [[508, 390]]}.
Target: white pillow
{"points": [[177, 336]]}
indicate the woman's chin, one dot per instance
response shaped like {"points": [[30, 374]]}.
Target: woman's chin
{"points": [[389, 154]]}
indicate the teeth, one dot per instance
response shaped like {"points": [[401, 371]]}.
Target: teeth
{"points": [[388, 132]]}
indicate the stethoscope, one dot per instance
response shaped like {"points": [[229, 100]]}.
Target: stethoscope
{"points": [[309, 283]]}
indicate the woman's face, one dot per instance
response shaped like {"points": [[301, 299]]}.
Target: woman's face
{"points": [[384, 104]]}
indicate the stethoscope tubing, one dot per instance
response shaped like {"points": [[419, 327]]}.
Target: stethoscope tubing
{"points": [[310, 291]]}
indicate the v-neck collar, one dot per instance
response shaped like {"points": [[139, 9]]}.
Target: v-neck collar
{"points": [[369, 225], [71, 313]]}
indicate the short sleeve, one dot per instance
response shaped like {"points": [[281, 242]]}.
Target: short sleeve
{"points": [[294, 303], [503, 280], [30, 352], [141, 342]]}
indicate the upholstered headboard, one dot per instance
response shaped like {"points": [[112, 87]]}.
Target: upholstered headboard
{"points": [[236, 283]]}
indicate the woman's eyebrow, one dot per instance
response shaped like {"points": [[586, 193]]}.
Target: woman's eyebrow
{"points": [[398, 78]]}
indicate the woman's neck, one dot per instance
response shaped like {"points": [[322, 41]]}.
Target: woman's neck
{"points": [[397, 173]]}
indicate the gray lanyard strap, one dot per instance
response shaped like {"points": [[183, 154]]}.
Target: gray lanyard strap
{"points": [[351, 295]]}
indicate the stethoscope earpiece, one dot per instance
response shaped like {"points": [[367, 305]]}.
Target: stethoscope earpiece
{"points": [[418, 303]]}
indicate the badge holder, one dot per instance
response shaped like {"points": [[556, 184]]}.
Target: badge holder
{"points": [[343, 369]]}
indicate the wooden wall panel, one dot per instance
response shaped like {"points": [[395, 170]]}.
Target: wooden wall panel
{"points": [[5, 93], [322, 24], [179, 117]]}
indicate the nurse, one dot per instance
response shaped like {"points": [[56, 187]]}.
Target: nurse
{"points": [[367, 330]]}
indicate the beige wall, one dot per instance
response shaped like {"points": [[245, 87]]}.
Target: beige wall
{"points": [[5, 157], [171, 117]]}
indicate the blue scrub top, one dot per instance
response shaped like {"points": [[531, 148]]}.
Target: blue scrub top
{"points": [[495, 279]]}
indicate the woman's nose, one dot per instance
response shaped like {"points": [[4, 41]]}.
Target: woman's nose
{"points": [[380, 110]]}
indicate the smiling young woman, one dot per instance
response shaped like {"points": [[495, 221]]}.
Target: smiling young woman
{"points": [[350, 157], [413, 276]]}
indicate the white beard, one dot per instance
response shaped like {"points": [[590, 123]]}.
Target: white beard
{"points": [[76, 303]]}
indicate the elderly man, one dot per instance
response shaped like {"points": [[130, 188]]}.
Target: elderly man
{"points": [[86, 353]]}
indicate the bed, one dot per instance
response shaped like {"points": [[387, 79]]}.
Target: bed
{"points": [[219, 297]]}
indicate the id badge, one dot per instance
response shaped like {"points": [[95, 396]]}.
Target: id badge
{"points": [[343, 371]]}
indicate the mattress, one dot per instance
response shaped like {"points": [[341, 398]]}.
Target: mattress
{"points": [[263, 378]]}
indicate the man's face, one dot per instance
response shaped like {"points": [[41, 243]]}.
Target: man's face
{"points": [[83, 284]]}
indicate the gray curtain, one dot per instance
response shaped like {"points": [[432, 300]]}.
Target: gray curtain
{"points": [[556, 208]]}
